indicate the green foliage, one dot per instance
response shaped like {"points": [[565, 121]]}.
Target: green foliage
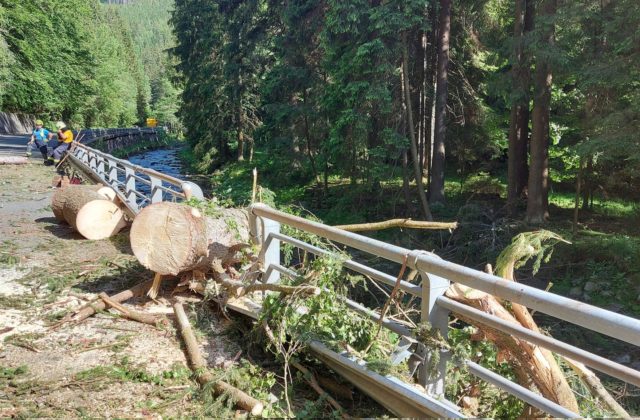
{"points": [[71, 59], [126, 371], [325, 317], [525, 246], [12, 373], [492, 402], [148, 24]]}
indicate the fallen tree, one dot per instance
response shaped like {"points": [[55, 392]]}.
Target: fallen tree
{"points": [[90, 210], [171, 238]]}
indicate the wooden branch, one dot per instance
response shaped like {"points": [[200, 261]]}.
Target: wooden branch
{"points": [[398, 223], [595, 387], [199, 366], [98, 305], [310, 378], [130, 314], [558, 381], [385, 308]]}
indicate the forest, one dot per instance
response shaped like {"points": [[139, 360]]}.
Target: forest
{"points": [[90, 64], [542, 93], [505, 116]]}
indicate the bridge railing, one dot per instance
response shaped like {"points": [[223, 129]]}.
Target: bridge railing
{"points": [[435, 276], [135, 185]]}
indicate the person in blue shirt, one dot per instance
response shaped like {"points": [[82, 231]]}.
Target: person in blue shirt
{"points": [[40, 137]]}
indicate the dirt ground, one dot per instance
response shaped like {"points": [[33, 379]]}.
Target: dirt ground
{"points": [[105, 366]]}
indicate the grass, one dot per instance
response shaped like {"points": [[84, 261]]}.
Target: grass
{"points": [[8, 374]]}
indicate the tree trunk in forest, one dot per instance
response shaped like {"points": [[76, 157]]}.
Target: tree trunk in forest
{"points": [[538, 186], [405, 183], [240, 120], [436, 192], [412, 135], [519, 120], [170, 238]]}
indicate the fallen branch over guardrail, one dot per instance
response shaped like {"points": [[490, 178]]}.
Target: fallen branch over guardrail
{"points": [[398, 223]]}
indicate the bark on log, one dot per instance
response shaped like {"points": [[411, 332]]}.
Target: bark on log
{"points": [[596, 388], [199, 366], [170, 238], [13, 160], [557, 377], [398, 223], [60, 197]]}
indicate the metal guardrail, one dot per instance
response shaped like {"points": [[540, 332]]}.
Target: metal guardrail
{"points": [[135, 185], [435, 277], [138, 186]]}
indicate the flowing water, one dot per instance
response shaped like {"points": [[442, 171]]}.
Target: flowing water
{"points": [[166, 161]]}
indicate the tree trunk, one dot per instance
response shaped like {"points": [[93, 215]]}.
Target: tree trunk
{"points": [[412, 135], [519, 121], [92, 215], [89, 209], [538, 194], [60, 197], [436, 192], [170, 238]]}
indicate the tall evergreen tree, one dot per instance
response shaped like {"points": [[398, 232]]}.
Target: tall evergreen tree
{"points": [[538, 191], [436, 192]]}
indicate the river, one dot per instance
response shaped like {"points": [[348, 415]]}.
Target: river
{"points": [[166, 161]]}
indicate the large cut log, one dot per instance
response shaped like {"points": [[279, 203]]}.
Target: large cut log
{"points": [[171, 238], [89, 212], [13, 160], [61, 195]]}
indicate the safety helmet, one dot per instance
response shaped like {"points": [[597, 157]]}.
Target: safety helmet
{"points": [[39, 122], [60, 125]]}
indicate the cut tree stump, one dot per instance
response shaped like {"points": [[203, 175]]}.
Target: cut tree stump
{"points": [[90, 210], [171, 238]]}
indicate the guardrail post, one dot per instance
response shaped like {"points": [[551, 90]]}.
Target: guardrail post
{"points": [[433, 379], [113, 173], [259, 230], [130, 186], [156, 192], [101, 172]]}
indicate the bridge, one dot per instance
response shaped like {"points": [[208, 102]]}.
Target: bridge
{"points": [[138, 187]]}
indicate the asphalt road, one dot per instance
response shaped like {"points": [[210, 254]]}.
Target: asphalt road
{"points": [[15, 146]]}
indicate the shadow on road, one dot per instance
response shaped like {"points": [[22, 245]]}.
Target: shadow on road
{"points": [[58, 229]]}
